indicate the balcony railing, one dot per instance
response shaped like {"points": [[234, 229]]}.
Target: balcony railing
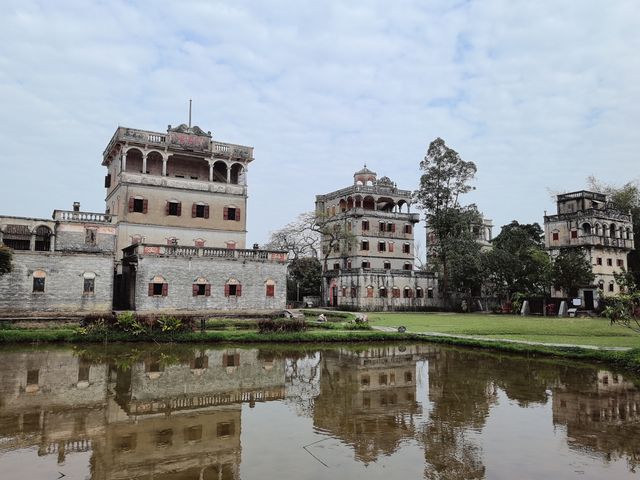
{"points": [[378, 271], [360, 189], [598, 240], [160, 250], [82, 217], [595, 213]]}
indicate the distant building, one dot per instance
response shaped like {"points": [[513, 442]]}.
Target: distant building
{"points": [[373, 267], [585, 220], [174, 233]]}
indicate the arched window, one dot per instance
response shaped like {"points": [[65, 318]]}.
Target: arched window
{"points": [[382, 292], [39, 278], [17, 237], [43, 239], [232, 288], [370, 291], [201, 287], [158, 287], [419, 292], [612, 230], [270, 288], [407, 292], [586, 228]]}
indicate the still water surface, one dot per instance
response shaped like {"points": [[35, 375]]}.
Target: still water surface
{"points": [[392, 412]]}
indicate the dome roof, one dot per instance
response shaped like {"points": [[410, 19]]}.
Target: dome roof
{"points": [[365, 171]]}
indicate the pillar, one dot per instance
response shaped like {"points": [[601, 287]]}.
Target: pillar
{"points": [[210, 170], [165, 159], [52, 242], [123, 161], [144, 162], [228, 174], [32, 241]]}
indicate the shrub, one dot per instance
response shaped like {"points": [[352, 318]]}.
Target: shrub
{"points": [[170, 324], [281, 325], [128, 322]]}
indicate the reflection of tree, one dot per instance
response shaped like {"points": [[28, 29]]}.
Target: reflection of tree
{"points": [[302, 381]]}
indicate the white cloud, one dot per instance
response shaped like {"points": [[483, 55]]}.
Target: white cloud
{"points": [[538, 94]]}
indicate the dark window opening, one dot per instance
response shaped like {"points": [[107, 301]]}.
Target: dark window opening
{"points": [[382, 246], [574, 234], [231, 360], [365, 225], [364, 245], [193, 434], [611, 287], [38, 285], [225, 429], [17, 237], [406, 248], [138, 205], [408, 377], [366, 265], [271, 290], [408, 229], [33, 377], [164, 438], [609, 262], [383, 292], [231, 213], [200, 211], [407, 266], [89, 285], [174, 208], [419, 292], [599, 261], [202, 289], [430, 293], [387, 265], [90, 236], [127, 443], [83, 372], [43, 239], [556, 236]]}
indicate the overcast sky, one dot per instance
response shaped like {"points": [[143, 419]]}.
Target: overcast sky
{"points": [[538, 94]]}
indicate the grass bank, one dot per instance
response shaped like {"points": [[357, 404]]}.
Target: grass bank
{"points": [[575, 331]]}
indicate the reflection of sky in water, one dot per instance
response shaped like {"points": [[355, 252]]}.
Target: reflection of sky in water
{"points": [[387, 412]]}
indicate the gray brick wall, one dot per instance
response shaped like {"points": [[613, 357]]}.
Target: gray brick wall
{"points": [[180, 274], [63, 285], [75, 242]]}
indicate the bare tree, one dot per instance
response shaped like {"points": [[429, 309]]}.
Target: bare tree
{"points": [[300, 238]]}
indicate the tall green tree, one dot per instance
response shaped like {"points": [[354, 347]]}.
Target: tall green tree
{"points": [[445, 178], [6, 255], [305, 278], [572, 270], [518, 262]]}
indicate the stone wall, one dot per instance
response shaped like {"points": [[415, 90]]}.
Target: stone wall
{"points": [[180, 273], [73, 237], [64, 283]]}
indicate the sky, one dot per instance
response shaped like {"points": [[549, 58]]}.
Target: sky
{"points": [[539, 95]]}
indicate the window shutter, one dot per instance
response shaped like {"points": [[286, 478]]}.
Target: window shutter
{"points": [[238, 290], [225, 213], [206, 211], [390, 246], [236, 359], [237, 214], [165, 289], [207, 290], [226, 290], [393, 228], [166, 208], [179, 208], [194, 289], [145, 205], [270, 290], [151, 289], [193, 210], [131, 200]]}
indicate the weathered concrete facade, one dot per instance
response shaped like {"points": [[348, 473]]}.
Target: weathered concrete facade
{"points": [[64, 266], [586, 221], [166, 278], [371, 266]]}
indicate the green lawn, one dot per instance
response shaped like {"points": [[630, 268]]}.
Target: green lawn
{"points": [[577, 331]]}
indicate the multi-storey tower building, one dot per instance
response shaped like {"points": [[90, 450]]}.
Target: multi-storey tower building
{"points": [[372, 265], [180, 187], [586, 220]]}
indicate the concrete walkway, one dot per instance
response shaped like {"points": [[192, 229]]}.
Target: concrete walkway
{"points": [[507, 340]]}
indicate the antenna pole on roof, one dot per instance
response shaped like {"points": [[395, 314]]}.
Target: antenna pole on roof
{"points": [[189, 113]]}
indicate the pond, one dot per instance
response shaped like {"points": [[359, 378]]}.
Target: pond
{"points": [[385, 411]]}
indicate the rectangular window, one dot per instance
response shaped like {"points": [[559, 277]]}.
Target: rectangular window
{"points": [[83, 372], [387, 265], [173, 208], [164, 438], [364, 380], [366, 265], [574, 234], [620, 262], [383, 293], [200, 211], [382, 379], [365, 225], [430, 293], [408, 229], [225, 429], [419, 292], [89, 285], [406, 248], [408, 377], [391, 227], [611, 287], [193, 434], [354, 292], [369, 292], [138, 205], [231, 360], [344, 291], [232, 290], [382, 246], [364, 245], [382, 226], [90, 236], [158, 289], [599, 261], [38, 285], [407, 266], [336, 266], [32, 377], [231, 213], [271, 291], [200, 289], [609, 262], [555, 236]]}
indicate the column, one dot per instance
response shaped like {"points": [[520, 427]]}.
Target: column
{"points": [[244, 176], [52, 242], [164, 165], [210, 170], [32, 241], [144, 162], [228, 173], [123, 161]]}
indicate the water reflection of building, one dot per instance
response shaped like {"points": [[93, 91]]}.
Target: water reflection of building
{"points": [[368, 398], [154, 419], [604, 416]]}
